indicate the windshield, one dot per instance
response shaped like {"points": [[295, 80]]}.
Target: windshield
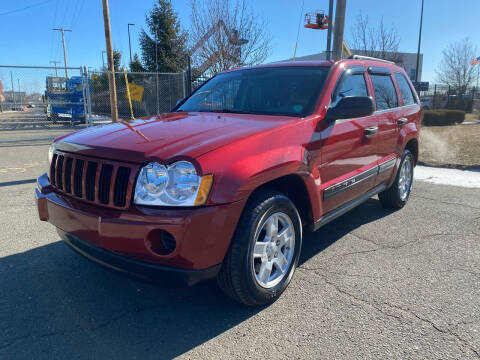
{"points": [[287, 91]]}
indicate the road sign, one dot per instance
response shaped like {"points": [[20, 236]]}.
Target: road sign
{"points": [[421, 85], [136, 92]]}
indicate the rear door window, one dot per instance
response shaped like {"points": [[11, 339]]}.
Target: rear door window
{"points": [[385, 93], [352, 85], [405, 89]]}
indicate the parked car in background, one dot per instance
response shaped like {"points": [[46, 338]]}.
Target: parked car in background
{"points": [[225, 185], [427, 102]]}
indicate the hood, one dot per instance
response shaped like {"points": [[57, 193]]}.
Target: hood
{"points": [[166, 136]]}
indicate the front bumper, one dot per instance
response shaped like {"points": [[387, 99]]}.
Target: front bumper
{"points": [[202, 235], [137, 269]]}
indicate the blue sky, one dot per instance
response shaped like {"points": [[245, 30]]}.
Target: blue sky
{"points": [[26, 37]]}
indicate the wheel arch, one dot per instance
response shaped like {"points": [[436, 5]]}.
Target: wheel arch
{"points": [[412, 146], [293, 186]]}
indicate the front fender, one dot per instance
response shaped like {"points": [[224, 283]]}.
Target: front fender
{"points": [[241, 174]]}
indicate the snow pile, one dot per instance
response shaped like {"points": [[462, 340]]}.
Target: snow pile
{"points": [[464, 178]]}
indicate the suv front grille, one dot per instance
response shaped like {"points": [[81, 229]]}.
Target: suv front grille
{"points": [[103, 182]]}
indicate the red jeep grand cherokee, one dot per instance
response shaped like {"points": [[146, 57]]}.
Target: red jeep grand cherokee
{"points": [[224, 184]]}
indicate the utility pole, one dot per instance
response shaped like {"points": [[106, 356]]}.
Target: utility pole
{"points": [[419, 41], [111, 67], [13, 92], [62, 30], [329, 30], [19, 92], [129, 43], [339, 29], [55, 64]]}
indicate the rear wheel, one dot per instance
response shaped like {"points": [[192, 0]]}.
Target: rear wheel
{"points": [[396, 196], [264, 252]]}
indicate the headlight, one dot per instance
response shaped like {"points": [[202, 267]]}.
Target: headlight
{"points": [[174, 185]]}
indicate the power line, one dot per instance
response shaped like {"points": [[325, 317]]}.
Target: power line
{"points": [[25, 8], [53, 24], [62, 24], [78, 14]]}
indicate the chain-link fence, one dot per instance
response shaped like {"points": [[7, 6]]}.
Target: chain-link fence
{"points": [[441, 96], [38, 97], [151, 93], [63, 99]]}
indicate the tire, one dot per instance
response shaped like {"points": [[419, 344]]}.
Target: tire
{"points": [[238, 276], [395, 197]]}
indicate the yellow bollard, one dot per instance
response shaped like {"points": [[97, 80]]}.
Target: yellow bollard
{"points": [[128, 93]]}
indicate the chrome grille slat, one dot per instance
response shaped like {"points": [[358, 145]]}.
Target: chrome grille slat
{"points": [[103, 182], [53, 174], [60, 172]]}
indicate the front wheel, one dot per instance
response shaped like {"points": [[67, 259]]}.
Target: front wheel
{"points": [[264, 251], [396, 196]]}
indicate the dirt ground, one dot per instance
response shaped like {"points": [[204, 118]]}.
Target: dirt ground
{"points": [[458, 144]]}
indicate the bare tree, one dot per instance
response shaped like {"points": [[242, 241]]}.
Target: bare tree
{"points": [[456, 69], [380, 42], [219, 32]]}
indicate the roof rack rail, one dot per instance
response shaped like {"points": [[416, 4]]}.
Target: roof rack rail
{"points": [[361, 57]]}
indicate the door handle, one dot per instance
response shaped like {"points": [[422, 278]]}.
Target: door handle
{"points": [[370, 131], [402, 121]]}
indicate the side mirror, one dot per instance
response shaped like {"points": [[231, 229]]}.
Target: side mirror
{"points": [[351, 107], [179, 101]]}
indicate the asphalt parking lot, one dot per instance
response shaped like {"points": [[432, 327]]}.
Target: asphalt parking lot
{"points": [[371, 284]]}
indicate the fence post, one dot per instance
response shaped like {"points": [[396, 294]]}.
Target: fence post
{"points": [[434, 96], [89, 99], [183, 85], [189, 75], [83, 72]]}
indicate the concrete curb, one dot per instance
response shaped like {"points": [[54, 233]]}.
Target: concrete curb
{"points": [[449, 166]]}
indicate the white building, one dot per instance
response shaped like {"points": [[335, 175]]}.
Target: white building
{"points": [[408, 62]]}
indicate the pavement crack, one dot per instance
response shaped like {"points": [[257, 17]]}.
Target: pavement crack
{"points": [[377, 307], [447, 202], [111, 320], [399, 246]]}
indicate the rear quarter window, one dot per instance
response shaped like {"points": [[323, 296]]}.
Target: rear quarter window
{"points": [[385, 93], [405, 89]]}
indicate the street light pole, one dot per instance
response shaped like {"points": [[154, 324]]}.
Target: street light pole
{"points": [[103, 60], [62, 30], [329, 30], [13, 92], [129, 43], [419, 41], [156, 70], [19, 93], [55, 64]]}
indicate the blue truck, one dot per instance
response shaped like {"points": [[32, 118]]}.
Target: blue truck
{"points": [[64, 99]]}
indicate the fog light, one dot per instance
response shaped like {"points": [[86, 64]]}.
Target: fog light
{"points": [[161, 242]]}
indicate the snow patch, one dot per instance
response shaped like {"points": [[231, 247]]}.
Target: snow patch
{"points": [[455, 177]]}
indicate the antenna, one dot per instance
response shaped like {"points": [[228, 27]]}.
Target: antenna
{"points": [[298, 32]]}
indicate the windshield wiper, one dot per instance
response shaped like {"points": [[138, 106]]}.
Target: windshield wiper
{"points": [[229, 111]]}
